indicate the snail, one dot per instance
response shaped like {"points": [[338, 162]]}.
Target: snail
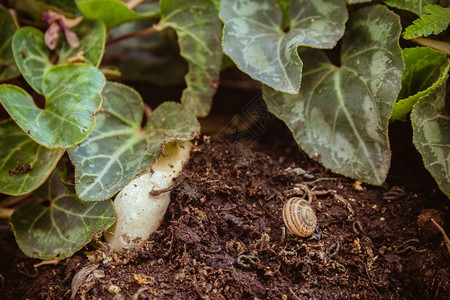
{"points": [[299, 217]]}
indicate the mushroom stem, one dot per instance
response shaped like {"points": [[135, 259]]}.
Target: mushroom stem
{"points": [[139, 211]]}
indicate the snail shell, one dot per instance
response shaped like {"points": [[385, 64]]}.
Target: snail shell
{"points": [[299, 217]]}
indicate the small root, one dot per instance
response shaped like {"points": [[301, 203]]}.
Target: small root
{"points": [[46, 262], [140, 292], [395, 193], [248, 262], [444, 235], [357, 227], [406, 246], [336, 249]]}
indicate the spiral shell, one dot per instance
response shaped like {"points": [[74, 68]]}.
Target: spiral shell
{"points": [[299, 217]]}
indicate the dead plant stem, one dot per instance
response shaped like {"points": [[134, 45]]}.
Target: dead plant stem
{"points": [[146, 31]]}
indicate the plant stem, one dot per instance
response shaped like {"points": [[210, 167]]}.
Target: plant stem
{"points": [[146, 31], [147, 111], [5, 213], [12, 200], [437, 45], [132, 4]]}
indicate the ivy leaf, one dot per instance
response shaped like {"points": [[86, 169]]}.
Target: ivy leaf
{"points": [[8, 68], [73, 97], [114, 12], [119, 149], [254, 40], [425, 69], [199, 33], [62, 228], [33, 57], [357, 1], [434, 22], [415, 6], [24, 164], [67, 6], [340, 117], [430, 119]]}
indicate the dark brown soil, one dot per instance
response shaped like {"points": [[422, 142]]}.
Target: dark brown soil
{"points": [[223, 237]]}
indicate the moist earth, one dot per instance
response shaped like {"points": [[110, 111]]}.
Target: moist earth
{"points": [[223, 237]]}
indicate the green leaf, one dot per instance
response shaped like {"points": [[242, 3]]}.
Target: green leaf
{"points": [[67, 6], [119, 149], [62, 228], [33, 9], [254, 40], [425, 69], [8, 68], [430, 120], [24, 164], [92, 35], [415, 6], [340, 117], [357, 1], [434, 22], [33, 57], [73, 97], [114, 12], [199, 32]]}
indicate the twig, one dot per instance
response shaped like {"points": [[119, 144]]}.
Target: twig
{"points": [[293, 294], [146, 31], [444, 235], [370, 280], [320, 179]]}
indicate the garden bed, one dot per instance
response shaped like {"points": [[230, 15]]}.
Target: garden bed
{"points": [[223, 237]]}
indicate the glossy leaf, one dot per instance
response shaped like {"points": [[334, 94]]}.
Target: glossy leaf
{"points": [[92, 35], [114, 12], [62, 228], [119, 149], [340, 117], [434, 21], [199, 33], [33, 57], [67, 6], [415, 6], [24, 164], [254, 40], [357, 1], [425, 69], [8, 68], [430, 120], [73, 97]]}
